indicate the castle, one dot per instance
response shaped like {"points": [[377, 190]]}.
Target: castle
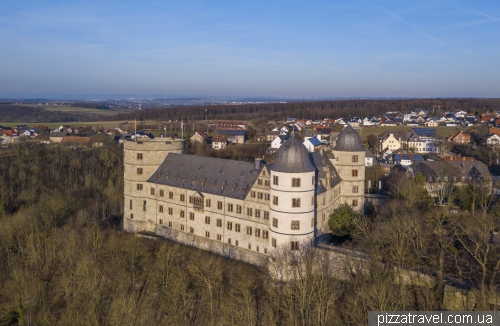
{"points": [[240, 209]]}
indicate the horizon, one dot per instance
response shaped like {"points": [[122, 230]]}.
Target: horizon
{"points": [[361, 49]]}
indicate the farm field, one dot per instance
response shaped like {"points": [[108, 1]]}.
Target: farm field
{"points": [[77, 109]]}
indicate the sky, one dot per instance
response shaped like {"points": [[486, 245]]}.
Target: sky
{"points": [[341, 48]]}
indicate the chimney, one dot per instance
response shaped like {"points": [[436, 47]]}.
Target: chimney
{"points": [[257, 164]]}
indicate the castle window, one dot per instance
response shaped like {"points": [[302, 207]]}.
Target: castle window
{"points": [[144, 205], [207, 234], [249, 211], [295, 182], [267, 183], [249, 246], [266, 215], [183, 197], [161, 221], [273, 242], [170, 195], [265, 250], [295, 245], [252, 193], [354, 173], [265, 234], [208, 202], [259, 195], [354, 202], [295, 202], [259, 182], [170, 211], [275, 180], [313, 180], [237, 227], [191, 216], [355, 189], [182, 227], [267, 196], [153, 191], [169, 224], [275, 200], [236, 242], [295, 225], [257, 213], [257, 248], [207, 219], [139, 156], [219, 205], [160, 208], [131, 204], [191, 230], [139, 186], [229, 207], [257, 232], [219, 222], [182, 213], [229, 225], [162, 193], [139, 170], [275, 222], [229, 240], [238, 209], [131, 216], [219, 237], [249, 230], [355, 158]]}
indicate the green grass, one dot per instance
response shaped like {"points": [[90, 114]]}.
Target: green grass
{"points": [[379, 130]]}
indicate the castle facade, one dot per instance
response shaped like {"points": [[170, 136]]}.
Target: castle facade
{"points": [[240, 209]]}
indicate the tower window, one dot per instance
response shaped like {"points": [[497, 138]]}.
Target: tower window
{"points": [[275, 180], [355, 189], [354, 173], [295, 225], [355, 158], [275, 222], [139, 156], [354, 202], [295, 245], [295, 182], [139, 186], [296, 202], [139, 170], [275, 200]]}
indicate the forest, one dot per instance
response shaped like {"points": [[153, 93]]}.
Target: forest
{"points": [[64, 259], [257, 114]]}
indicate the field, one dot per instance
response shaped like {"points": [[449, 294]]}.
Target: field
{"points": [[77, 109], [379, 130]]}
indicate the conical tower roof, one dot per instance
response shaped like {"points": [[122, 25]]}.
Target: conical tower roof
{"points": [[293, 157], [348, 140]]}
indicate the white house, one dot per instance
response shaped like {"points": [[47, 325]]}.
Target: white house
{"points": [[493, 140]]}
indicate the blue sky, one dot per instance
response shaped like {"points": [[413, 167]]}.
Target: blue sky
{"points": [[265, 48]]}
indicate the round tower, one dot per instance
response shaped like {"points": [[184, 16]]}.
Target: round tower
{"points": [[141, 159], [292, 196], [349, 155]]}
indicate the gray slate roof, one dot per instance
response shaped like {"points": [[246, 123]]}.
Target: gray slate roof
{"points": [[293, 157], [458, 169], [348, 140], [229, 178]]}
